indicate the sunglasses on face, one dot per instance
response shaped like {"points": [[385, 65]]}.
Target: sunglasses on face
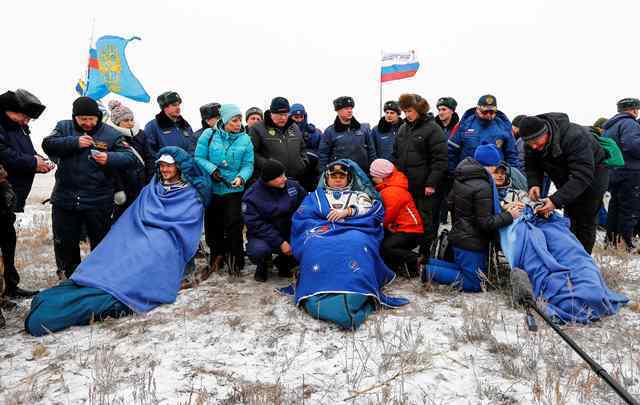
{"points": [[488, 112]]}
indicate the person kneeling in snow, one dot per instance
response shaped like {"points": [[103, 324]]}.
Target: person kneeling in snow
{"points": [[140, 263], [336, 236], [267, 208], [402, 222], [477, 215]]}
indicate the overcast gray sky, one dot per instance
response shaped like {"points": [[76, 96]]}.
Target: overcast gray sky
{"points": [[579, 57]]}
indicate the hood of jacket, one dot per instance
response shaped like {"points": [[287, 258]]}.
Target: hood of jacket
{"points": [[189, 171], [10, 125], [469, 169]]}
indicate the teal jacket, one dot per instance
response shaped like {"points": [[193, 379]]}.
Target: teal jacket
{"points": [[229, 153]]}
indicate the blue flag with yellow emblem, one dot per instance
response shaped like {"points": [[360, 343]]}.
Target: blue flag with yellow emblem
{"points": [[110, 72]]}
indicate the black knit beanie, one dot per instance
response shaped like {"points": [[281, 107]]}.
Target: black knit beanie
{"points": [[271, 170]]}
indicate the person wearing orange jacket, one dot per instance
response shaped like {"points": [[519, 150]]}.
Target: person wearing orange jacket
{"points": [[403, 224]]}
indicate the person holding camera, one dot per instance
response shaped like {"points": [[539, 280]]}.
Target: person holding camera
{"points": [[87, 153]]}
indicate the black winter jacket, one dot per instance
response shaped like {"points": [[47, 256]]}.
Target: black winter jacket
{"points": [[81, 183], [352, 141], [471, 206], [420, 152], [573, 159], [17, 155], [285, 145]]}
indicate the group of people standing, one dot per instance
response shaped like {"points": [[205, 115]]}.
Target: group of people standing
{"points": [[423, 165]]}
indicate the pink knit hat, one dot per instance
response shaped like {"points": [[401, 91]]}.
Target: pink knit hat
{"points": [[381, 168]]}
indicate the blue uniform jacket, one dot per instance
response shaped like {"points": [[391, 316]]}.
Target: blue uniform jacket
{"points": [[625, 130], [384, 136], [267, 211], [353, 142], [81, 183], [161, 132], [473, 132]]}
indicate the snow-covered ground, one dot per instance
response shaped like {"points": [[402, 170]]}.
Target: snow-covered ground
{"points": [[237, 341]]}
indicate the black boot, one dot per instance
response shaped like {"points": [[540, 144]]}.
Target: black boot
{"points": [[2, 321], [284, 264], [411, 266], [261, 273], [18, 292]]}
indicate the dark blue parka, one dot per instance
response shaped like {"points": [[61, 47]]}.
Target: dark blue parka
{"points": [[162, 131], [473, 132], [17, 155], [625, 130], [267, 211], [384, 136], [81, 183], [351, 141]]}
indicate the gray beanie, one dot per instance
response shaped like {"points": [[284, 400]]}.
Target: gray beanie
{"points": [[119, 112]]}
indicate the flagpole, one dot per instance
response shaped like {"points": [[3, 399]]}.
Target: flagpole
{"points": [[380, 89], [93, 29]]}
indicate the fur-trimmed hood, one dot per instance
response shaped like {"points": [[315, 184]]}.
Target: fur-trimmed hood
{"points": [[340, 127], [165, 122]]}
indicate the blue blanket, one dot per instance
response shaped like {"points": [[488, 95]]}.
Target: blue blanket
{"points": [[339, 257], [141, 260], [562, 273]]}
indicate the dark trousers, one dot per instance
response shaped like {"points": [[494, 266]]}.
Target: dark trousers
{"points": [[429, 208], [259, 252], [447, 186], [67, 233], [397, 249], [584, 218], [8, 245], [624, 206], [224, 227]]}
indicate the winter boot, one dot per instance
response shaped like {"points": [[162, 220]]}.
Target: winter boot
{"points": [[2, 321], [215, 264], [261, 274], [284, 264], [411, 266]]}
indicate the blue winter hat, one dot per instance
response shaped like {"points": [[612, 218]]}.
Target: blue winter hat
{"points": [[488, 155], [228, 111], [297, 109]]}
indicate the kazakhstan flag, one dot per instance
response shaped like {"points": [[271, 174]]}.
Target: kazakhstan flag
{"points": [[110, 72]]}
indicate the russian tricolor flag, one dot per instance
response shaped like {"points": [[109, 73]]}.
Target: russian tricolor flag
{"points": [[396, 66]]}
